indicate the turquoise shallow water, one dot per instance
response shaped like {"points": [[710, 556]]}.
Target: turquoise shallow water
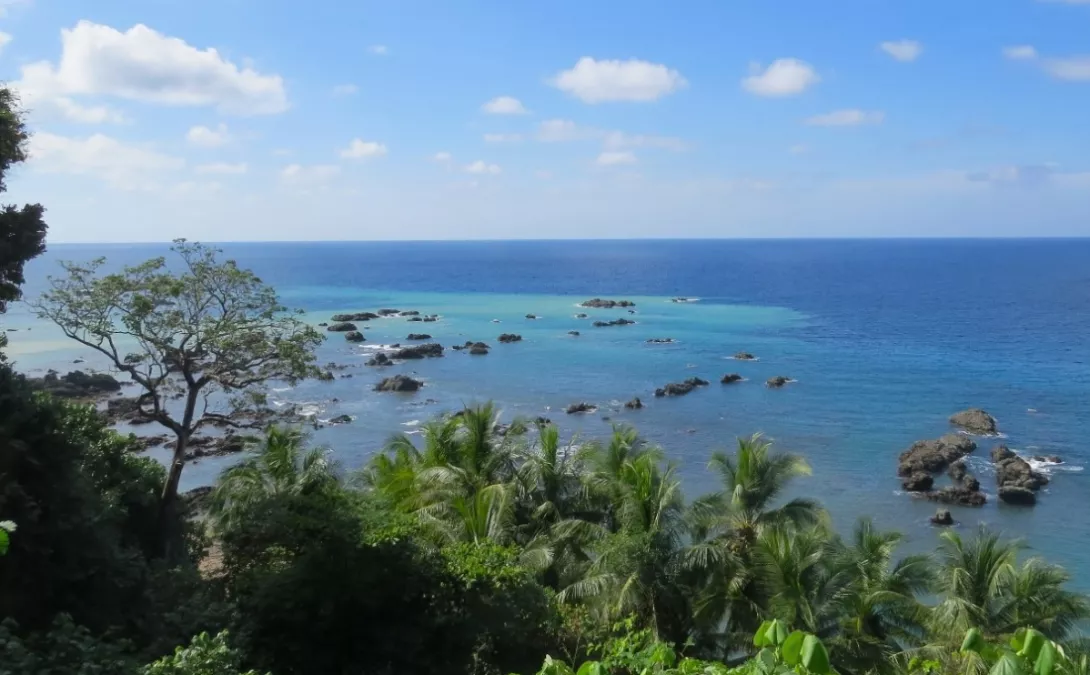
{"points": [[885, 340]]}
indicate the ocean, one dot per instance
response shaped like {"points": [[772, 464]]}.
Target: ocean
{"points": [[885, 339]]}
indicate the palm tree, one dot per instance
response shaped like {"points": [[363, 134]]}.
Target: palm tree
{"points": [[281, 466], [604, 466], [484, 515]]}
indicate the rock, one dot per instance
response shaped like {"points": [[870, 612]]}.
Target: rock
{"points": [[430, 319], [956, 494], [380, 359], [1002, 452], [615, 322], [731, 378], [214, 446], [661, 341], [680, 388], [142, 443], [123, 410], [942, 517], [354, 336], [1048, 459], [346, 376], [1018, 496], [934, 456], [634, 404], [777, 381], [418, 336], [631, 311], [77, 361], [1016, 472], [918, 482], [341, 419], [580, 316], [431, 349], [681, 299], [581, 408], [388, 312], [744, 356], [76, 384], [411, 313], [970, 482], [416, 318], [359, 316], [341, 327], [975, 421], [323, 324], [510, 337], [574, 333], [531, 316], [957, 471], [599, 303], [400, 383], [479, 349]]}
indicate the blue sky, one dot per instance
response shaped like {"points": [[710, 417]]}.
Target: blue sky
{"points": [[404, 119]]}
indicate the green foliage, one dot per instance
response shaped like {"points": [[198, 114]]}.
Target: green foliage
{"points": [[63, 648], [1027, 652], [205, 655]]}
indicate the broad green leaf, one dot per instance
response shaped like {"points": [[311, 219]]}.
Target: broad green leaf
{"points": [[591, 668], [777, 632], [760, 638], [792, 648], [973, 642], [767, 659], [1046, 659], [552, 667], [814, 656], [3, 542], [1007, 665], [1031, 644]]}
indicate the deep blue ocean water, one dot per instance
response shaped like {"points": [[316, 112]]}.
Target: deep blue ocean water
{"points": [[885, 338]]}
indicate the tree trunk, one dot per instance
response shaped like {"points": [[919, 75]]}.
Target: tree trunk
{"points": [[169, 500]]}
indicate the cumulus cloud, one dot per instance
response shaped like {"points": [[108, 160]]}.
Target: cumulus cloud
{"points": [[615, 158], [1020, 53], [222, 168], [314, 174], [205, 137], [85, 114], [504, 105], [1072, 68], [482, 167], [555, 131], [903, 50], [124, 166], [560, 131], [784, 77], [847, 118], [442, 157], [360, 149], [5, 38], [345, 90], [502, 138], [593, 81], [142, 64], [619, 139]]}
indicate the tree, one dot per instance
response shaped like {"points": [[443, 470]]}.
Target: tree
{"points": [[211, 336]]}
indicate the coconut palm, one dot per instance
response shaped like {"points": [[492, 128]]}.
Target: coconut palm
{"points": [[282, 465], [484, 515]]}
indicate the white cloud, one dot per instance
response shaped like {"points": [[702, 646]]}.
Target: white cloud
{"points": [[593, 81], [442, 157], [1072, 68], [379, 50], [553, 131], [86, 114], [903, 50], [504, 105], [5, 38], [124, 166], [142, 64], [615, 158], [204, 137], [1020, 53], [222, 168], [847, 118], [482, 167], [5, 6], [359, 149], [345, 90], [1015, 175], [502, 138], [619, 139], [315, 174], [784, 77]]}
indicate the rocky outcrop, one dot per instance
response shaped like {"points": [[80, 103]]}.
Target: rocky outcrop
{"points": [[342, 327], [959, 495], [354, 336], [661, 341], [359, 316], [680, 388], [681, 299], [1016, 472], [573, 333], [1018, 496], [76, 384], [934, 456], [431, 349], [975, 421], [615, 322], [744, 356], [479, 349], [418, 336], [730, 378], [531, 316], [416, 318], [431, 318], [634, 404], [942, 517], [918, 482], [388, 312], [777, 381], [580, 316], [957, 471], [599, 303], [411, 312], [341, 419], [1048, 459], [510, 337], [214, 446], [400, 383], [582, 407], [380, 359], [1001, 453]]}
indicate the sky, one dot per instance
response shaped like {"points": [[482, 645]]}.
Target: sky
{"points": [[239, 120]]}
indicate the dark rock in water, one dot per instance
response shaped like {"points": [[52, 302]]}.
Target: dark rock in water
{"points": [[599, 303], [341, 419], [388, 312], [380, 359], [142, 443], [399, 383], [681, 388], [574, 333], [431, 349], [354, 336], [479, 349], [1016, 472], [634, 404], [970, 482], [411, 313], [323, 324], [744, 356], [1002, 452], [76, 384], [934, 456], [124, 410], [1018, 496], [731, 378], [957, 471], [661, 341], [510, 337], [77, 361], [918, 482], [777, 381], [346, 376], [418, 336], [956, 494], [531, 316], [942, 517], [615, 322], [214, 446], [358, 316], [429, 319], [681, 299], [341, 327], [542, 421], [581, 408], [416, 318], [1048, 459], [975, 421], [580, 316], [631, 311]]}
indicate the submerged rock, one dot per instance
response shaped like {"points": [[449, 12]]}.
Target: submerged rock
{"points": [[388, 312], [531, 316], [942, 517], [615, 322], [510, 337], [359, 316], [680, 388], [574, 333], [599, 303], [400, 383], [744, 356], [777, 381], [975, 421], [342, 327], [418, 336], [582, 407], [354, 336], [380, 359], [412, 312], [341, 419], [634, 404], [1048, 459], [934, 456], [918, 482], [730, 378], [661, 341], [1018, 496], [580, 316]]}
